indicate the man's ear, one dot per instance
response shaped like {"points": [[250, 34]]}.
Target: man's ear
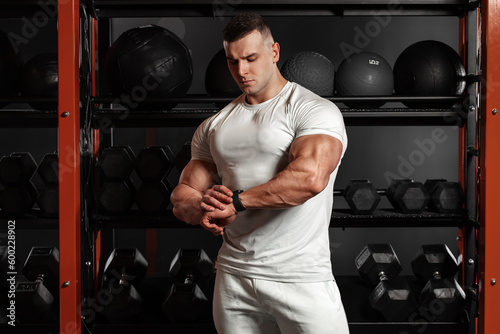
{"points": [[275, 49]]}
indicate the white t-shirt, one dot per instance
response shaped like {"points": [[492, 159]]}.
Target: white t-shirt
{"points": [[249, 144]]}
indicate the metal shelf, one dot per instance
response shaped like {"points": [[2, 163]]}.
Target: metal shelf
{"points": [[192, 110], [17, 113], [340, 219], [209, 8], [30, 222], [392, 218]]}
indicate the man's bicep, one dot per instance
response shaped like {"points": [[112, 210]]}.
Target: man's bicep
{"points": [[322, 151], [199, 175]]}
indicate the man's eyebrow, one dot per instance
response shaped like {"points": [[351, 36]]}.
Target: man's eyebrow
{"points": [[246, 57]]}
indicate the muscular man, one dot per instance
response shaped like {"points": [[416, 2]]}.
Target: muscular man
{"points": [[261, 175]]}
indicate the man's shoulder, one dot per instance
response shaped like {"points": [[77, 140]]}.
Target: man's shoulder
{"points": [[300, 97]]}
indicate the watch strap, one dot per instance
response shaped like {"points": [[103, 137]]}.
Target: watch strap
{"points": [[236, 201]]}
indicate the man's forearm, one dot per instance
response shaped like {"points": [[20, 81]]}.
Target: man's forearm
{"points": [[186, 204]]}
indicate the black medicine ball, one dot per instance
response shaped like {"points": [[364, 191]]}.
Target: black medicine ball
{"points": [[10, 63], [39, 78], [364, 74], [311, 70], [429, 68], [148, 61]]}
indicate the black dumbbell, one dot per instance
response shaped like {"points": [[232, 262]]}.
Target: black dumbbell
{"points": [[183, 157], [153, 163], [405, 195], [124, 269], [48, 197], [361, 196], [116, 163], [116, 191], [48, 201], [16, 169], [379, 266], [37, 299], [152, 198], [445, 196], [48, 169], [115, 197], [408, 196], [19, 194], [186, 302], [442, 298]]}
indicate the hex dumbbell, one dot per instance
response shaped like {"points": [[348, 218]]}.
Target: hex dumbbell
{"points": [[48, 197], [116, 192], [19, 194], [183, 157], [186, 302], [152, 165], [361, 196], [36, 299], [408, 196], [442, 298], [124, 269], [445, 196], [405, 195], [378, 265]]}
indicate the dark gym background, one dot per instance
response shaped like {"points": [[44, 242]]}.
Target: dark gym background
{"points": [[374, 152]]}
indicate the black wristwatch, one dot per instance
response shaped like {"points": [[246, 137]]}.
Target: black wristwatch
{"points": [[236, 200]]}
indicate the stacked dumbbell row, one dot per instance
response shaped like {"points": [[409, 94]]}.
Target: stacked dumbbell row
{"points": [[187, 300], [406, 196], [19, 194], [36, 291], [441, 299], [118, 300], [117, 191]]}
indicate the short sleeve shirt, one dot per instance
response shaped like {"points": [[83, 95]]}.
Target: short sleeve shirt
{"points": [[249, 145]]}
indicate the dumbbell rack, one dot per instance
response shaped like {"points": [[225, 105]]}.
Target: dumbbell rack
{"points": [[201, 107], [195, 115], [68, 121]]}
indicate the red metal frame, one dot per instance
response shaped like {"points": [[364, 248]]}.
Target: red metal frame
{"points": [[490, 177], [69, 156]]}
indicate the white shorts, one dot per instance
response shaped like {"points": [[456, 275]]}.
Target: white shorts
{"points": [[246, 305]]}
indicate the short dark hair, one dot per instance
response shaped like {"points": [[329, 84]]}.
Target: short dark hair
{"points": [[243, 24]]}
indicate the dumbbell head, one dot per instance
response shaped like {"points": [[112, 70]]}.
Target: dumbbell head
{"points": [[125, 303], [361, 196], [186, 303], [17, 200], [42, 264], [408, 196], [116, 163], [432, 260], [48, 201], [443, 299], [153, 163], [152, 198], [376, 262], [48, 169], [445, 197], [115, 197], [33, 302], [125, 264], [191, 262], [394, 299], [18, 168], [183, 157]]}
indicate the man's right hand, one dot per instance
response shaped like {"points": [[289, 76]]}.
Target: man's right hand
{"points": [[216, 197]]}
